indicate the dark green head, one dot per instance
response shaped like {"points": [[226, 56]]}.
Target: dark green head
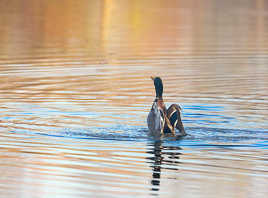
{"points": [[158, 86]]}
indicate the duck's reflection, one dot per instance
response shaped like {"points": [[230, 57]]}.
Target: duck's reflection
{"points": [[164, 157]]}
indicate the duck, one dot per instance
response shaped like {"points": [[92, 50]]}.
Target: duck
{"points": [[162, 121]]}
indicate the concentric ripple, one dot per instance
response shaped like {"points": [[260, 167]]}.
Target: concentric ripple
{"points": [[75, 91]]}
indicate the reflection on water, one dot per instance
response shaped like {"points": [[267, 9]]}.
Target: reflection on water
{"points": [[160, 159], [75, 90]]}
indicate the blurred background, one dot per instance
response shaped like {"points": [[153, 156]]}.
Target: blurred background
{"points": [[210, 51], [75, 91]]}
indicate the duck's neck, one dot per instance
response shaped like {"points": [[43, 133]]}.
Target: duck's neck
{"points": [[159, 90], [158, 98], [161, 104]]}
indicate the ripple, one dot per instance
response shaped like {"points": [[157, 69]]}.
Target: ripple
{"points": [[75, 90], [197, 136]]}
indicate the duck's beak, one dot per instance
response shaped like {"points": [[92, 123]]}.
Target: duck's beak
{"points": [[152, 77]]}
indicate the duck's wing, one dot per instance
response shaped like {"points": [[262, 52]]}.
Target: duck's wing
{"points": [[174, 116], [156, 120], [168, 128]]}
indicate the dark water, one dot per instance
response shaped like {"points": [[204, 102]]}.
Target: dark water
{"points": [[75, 90]]}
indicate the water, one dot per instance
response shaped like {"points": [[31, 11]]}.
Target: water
{"points": [[75, 91]]}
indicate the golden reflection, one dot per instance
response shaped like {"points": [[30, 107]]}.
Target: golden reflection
{"points": [[88, 63], [128, 27]]}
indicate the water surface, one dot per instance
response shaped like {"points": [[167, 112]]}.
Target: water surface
{"points": [[75, 90]]}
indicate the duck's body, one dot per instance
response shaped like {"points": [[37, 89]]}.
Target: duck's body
{"points": [[162, 121]]}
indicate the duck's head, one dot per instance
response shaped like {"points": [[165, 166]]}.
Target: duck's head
{"points": [[158, 86]]}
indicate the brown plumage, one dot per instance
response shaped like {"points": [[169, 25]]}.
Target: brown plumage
{"points": [[162, 121]]}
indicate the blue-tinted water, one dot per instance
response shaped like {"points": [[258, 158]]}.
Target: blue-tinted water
{"points": [[75, 91]]}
